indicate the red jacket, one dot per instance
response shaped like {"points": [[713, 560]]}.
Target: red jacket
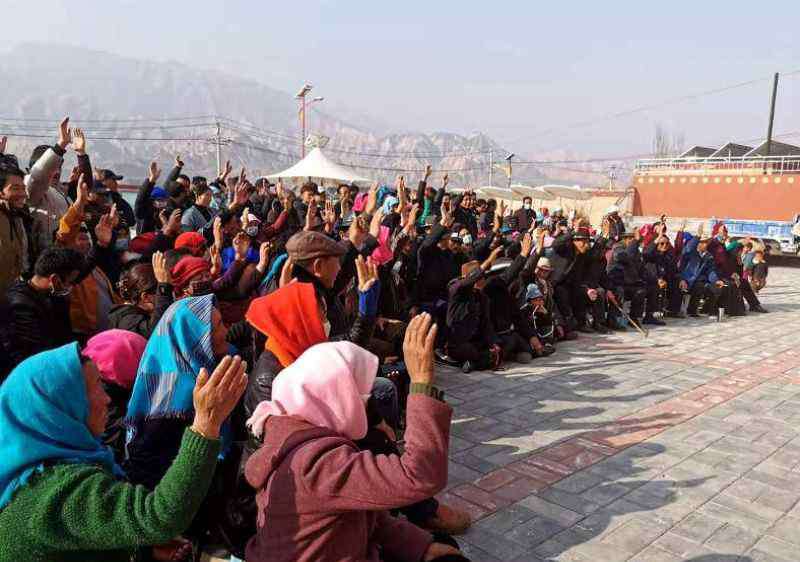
{"points": [[320, 499]]}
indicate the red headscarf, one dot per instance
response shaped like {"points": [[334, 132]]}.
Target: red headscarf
{"points": [[290, 319], [185, 269]]}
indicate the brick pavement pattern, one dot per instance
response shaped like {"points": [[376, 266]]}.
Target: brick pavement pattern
{"points": [[681, 446]]}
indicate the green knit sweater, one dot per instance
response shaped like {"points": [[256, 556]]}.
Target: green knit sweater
{"points": [[72, 512]]}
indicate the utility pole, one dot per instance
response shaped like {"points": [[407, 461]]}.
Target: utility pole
{"points": [[491, 165], [772, 113], [218, 139], [301, 95]]}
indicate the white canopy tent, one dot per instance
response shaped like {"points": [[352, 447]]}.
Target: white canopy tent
{"points": [[496, 192], [573, 192], [317, 165], [535, 193]]}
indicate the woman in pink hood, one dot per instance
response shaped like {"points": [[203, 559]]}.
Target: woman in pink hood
{"points": [[319, 498]]}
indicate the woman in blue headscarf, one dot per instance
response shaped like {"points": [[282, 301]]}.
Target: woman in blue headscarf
{"points": [[190, 336], [61, 497]]}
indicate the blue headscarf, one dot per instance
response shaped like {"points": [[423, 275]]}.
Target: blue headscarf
{"points": [[43, 413], [178, 348], [388, 203]]}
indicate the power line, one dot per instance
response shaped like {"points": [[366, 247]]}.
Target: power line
{"points": [[658, 105]]}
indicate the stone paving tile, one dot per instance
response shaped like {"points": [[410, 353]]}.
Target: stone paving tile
{"points": [[682, 446]]}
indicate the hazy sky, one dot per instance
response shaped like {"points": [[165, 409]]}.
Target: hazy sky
{"points": [[525, 72]]}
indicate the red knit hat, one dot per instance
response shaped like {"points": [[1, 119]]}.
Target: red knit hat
{"points": [[185, 269], [142, 243], [194, 241]]}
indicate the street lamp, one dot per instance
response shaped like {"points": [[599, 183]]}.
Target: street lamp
{"points": [[301, 95], [508, 159], [308, 106]]}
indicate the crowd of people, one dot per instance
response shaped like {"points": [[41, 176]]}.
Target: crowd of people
{"points": [[233, 365]]}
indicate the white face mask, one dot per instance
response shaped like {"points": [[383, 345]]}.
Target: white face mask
{"points": [[527, 206], [327, 327], [467, 239]]}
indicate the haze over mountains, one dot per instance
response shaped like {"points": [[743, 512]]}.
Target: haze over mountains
{"points": [[120, 102]]}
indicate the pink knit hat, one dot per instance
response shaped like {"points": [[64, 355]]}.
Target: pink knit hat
{"points": [[327, 386], [117, 354]]}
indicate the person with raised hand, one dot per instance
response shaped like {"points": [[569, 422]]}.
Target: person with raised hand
{"points": [[62, 496], [46, 200], [334, 499]]}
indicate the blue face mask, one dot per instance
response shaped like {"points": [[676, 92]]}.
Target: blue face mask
{"points": [[121, 245]]}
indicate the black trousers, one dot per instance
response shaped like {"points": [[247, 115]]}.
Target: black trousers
{"points": [[512, 343], [573, 303], [748, 294], [636, 295], [711, 293], [475, 353]]}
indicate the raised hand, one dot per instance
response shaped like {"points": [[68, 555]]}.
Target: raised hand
{"points": [[74, 174], [153, 172], [372, 199], [104, 230], [541, 233], [82, 197], [445, 180], [357, 232], [418, 348], [227, 171], [329, 215], [286, 272], [178, 161], [79, 141], [428, 172], [263, 257], [3, 143], [217, 229], [375, 223], [160, 270], [527, 244], [447, 216], [64, 133], [216, 396], [245, 217], [367, 271], [173, 225], [241, 243]]}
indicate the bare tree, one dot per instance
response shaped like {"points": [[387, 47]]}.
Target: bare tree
{"points": [[666, 145]]}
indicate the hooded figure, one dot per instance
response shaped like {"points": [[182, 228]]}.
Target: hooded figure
{"points": [[319, 497], [61, 494]]}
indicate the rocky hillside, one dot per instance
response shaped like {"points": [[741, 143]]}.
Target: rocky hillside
{"points": [[135, 111]]}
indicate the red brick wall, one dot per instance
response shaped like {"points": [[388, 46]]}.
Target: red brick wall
{"points": [[757, 197]]}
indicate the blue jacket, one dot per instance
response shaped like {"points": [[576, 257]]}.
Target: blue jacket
{"points": [[696, 268]]}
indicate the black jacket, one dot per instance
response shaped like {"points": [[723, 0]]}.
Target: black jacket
{"points": [[32, 322], [626, 267], [504, 310], [132, 318], [436, 267], [143, 209], [664, 263], [468, 312]]}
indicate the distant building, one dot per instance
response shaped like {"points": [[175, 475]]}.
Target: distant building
{"points": [[733, 181]]}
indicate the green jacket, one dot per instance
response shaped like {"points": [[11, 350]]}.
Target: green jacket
{"points": [[74, 512]]}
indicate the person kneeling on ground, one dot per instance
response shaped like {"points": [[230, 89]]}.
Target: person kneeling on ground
{"points": [[322, 499], [471, 339]]}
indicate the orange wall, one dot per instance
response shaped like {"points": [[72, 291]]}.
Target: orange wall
{"points": [[761, 197]]}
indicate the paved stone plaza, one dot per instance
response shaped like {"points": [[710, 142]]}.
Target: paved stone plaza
{"points": [[683, 446]]}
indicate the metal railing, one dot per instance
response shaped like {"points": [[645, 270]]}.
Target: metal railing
{"points": [[742, 165]]}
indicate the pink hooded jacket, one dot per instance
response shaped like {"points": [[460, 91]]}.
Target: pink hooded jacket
{"points": [[319, 498]]}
